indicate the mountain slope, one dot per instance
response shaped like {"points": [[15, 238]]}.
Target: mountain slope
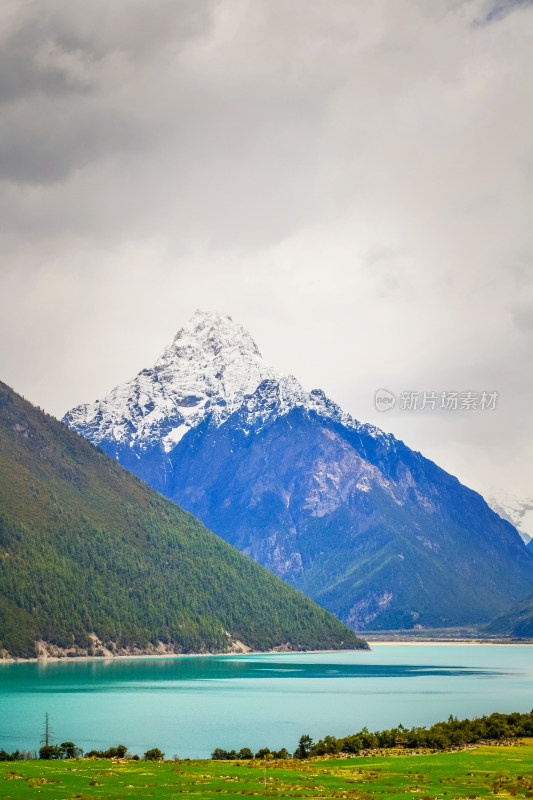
{"points": [[516, 621], [89, 553], [367, 527]]}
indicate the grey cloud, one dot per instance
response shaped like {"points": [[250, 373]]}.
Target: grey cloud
{"points": [[523, 317], [136, 28], [61, 76], [21, 76], [349, 179], [47, 149]]}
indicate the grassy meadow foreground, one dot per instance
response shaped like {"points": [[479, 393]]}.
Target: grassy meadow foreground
{"points": [[485, 771]]}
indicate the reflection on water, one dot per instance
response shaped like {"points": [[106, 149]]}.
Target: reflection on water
{"points": [[165, 672]]}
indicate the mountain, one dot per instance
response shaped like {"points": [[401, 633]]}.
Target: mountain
{"points": [[518, 511], [92, 559], [370, 529], [516, 622]]}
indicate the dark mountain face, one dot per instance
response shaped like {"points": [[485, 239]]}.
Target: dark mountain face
{"points": [[90, 556], [375, 533], [370, 529]]}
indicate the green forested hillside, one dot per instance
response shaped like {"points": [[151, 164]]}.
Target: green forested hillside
{"points": [[86, 548], [516, 621]]}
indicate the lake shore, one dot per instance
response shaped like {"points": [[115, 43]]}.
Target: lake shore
{"points": [[145, 656], [168, 655], [449, 642]]}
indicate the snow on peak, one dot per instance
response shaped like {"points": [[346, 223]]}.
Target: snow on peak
{"points": [[210, 331], [211, 365], [211, 369], [516, 510]]}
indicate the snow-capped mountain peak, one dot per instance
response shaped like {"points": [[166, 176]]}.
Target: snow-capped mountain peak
{"points": [[213, 362], [211, 331], [211, 369]]}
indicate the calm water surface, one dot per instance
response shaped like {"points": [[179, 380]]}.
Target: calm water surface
{"points": [[189, 706]]}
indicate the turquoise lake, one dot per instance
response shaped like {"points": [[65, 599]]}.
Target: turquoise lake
{"points": [[189, 705]]}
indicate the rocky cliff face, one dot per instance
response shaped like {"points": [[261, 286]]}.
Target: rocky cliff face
{"points": [[370, 529]]}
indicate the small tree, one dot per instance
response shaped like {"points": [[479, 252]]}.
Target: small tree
{"points": [[116, 752], [304, 746], [69, 750], [49, 751], [154, 754]]}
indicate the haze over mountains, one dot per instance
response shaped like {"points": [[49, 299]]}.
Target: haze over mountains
{"points": [[515, 622], [94, 561], [518, 511], [370, 529]]}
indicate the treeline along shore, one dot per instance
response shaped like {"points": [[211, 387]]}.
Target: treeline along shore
{"points": [[448, 735], [453, 734]]}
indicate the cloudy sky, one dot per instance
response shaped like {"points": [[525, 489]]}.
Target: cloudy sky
{"points": [[352, 181]]}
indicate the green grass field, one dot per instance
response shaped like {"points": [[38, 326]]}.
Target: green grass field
{"points": [[483, 772]]}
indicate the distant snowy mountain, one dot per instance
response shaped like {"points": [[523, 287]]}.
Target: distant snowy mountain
{"points": [[351, 516], [518, 512]]}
